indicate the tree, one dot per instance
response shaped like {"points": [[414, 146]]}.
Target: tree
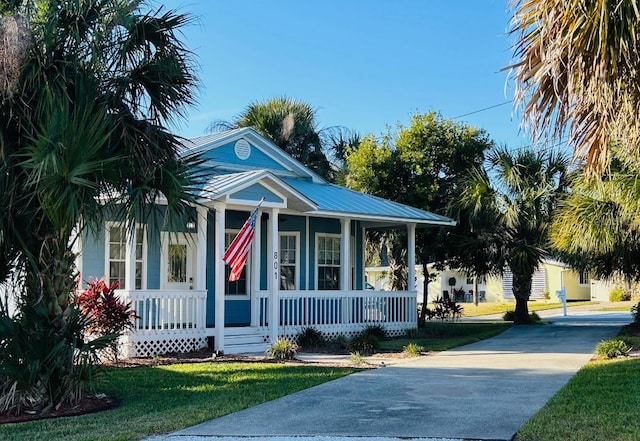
{"points": [[510, 209], [288, 123], [597, 224], [86, 89], [422, 167], [576, 65]]}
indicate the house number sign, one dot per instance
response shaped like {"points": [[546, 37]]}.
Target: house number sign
{"points": [[275, 266]]}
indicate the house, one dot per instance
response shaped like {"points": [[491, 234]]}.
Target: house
{"points": [[550, 278], [306, 258]]}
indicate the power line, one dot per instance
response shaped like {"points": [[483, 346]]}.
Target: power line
{"points": [[482, 110]]}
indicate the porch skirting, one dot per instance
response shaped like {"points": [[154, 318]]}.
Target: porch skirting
{"points": [[174, 321]]}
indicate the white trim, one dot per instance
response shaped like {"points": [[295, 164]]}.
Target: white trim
{"points": [[307, 253], [219, 265], [274, 275], [107, 257], [345, 254], [201, 250], [379, 218], [265, 203], [316, 263], [189, 240], [296, 235]]}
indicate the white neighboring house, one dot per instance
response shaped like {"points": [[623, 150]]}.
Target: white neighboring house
{"points": [[550, 277]]}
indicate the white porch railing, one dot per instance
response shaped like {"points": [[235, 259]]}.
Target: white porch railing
{"points": [[168, 321], [341, 312]]}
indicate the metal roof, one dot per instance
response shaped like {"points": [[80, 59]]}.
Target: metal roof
{"points": [[336, 200]]}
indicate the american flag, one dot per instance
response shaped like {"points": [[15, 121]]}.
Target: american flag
{"points": [[236, 255]]}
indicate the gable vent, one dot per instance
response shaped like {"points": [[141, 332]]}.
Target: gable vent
{"points": [[242, 149]]}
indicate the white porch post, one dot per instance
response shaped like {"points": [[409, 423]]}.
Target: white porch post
{"points": [[274, 277], [411, 257], [254, 286], [201, 251], [130, 262], [345, 255], [220, 273]]}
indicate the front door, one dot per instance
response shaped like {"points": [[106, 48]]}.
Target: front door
{"points": [[178, 269]]}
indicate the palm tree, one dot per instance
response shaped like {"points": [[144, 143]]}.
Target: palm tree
{"points": [[576, 65], [291, 125], [86, 90], [597, 225], [510, 207]]}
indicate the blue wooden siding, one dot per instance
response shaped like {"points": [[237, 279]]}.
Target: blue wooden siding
{"points": [[227, 155], [255, 192], [93, 264], [297, 224]]}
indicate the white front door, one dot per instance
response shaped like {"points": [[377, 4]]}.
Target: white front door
{"points": [[178, 261]]}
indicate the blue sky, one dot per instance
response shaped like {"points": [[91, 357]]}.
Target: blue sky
{"points": [[364, 65]]}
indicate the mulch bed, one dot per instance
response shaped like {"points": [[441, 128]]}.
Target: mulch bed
{"points": [[89, 404]]}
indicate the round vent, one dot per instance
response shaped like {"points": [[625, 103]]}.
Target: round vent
{"points": [[242, 149]]}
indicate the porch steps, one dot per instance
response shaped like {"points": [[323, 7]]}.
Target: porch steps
{"points": [[245, 340]]}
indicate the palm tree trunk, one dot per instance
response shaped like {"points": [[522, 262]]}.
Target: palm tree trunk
{"points": [[521, 292], [425, 296]]}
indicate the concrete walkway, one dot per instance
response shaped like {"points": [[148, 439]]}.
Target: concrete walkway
{"points": [[482, 391]]}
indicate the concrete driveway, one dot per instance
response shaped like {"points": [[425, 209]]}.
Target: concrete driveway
{"points": [[482, 391]]}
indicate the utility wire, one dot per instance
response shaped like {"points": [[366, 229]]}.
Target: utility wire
{"points": [[482, 110]]}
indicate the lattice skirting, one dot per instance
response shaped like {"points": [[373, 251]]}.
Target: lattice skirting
{"points": [[159, 346], [330, 332]]}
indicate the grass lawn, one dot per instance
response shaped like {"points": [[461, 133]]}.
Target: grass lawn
{"points": [[439, 336], [487, 308], [167, 398], [600, 403]]}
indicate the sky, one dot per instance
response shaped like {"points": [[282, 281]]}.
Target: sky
{"points": [[363, 64]]}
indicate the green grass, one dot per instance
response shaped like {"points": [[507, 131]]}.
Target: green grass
{"points": [[616, 308], [487, 308], [167, 398], [442, 336], [600, 403]]}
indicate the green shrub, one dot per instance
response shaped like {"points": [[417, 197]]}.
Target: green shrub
{"points": [[377, 331], [339, 343], [618, 295], [510, 316], [310, 338], [283, 350], [612, 348], [411, 333], [357, 359], [413, 349], [364, 343]]}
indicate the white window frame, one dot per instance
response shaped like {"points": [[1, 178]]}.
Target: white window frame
{"points": [[165, 241], [107, 256], [317, 260], [586, 277], [234, 232], [296, 236]]}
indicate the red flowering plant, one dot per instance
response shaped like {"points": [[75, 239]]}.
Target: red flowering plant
{"points": [[107, 313]]}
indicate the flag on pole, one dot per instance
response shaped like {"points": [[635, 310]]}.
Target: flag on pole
{"points": [[236, 255]]}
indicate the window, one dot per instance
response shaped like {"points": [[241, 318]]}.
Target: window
{"points": [[289, 261], [584, 278], [328, 252], [469, 280], [116, 255], [240, 286]]}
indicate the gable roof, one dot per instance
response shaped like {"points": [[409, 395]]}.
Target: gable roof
{"points": [[297, 188], [216, 140]]}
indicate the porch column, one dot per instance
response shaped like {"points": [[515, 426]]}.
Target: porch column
{"points": [[130, 261], [274, 284], [345, 255], [411, 257], [254, 286], [220, 273], [201, 250]]}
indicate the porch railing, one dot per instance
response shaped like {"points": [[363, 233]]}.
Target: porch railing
{"points": [[341, 312], [168, 321]]}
